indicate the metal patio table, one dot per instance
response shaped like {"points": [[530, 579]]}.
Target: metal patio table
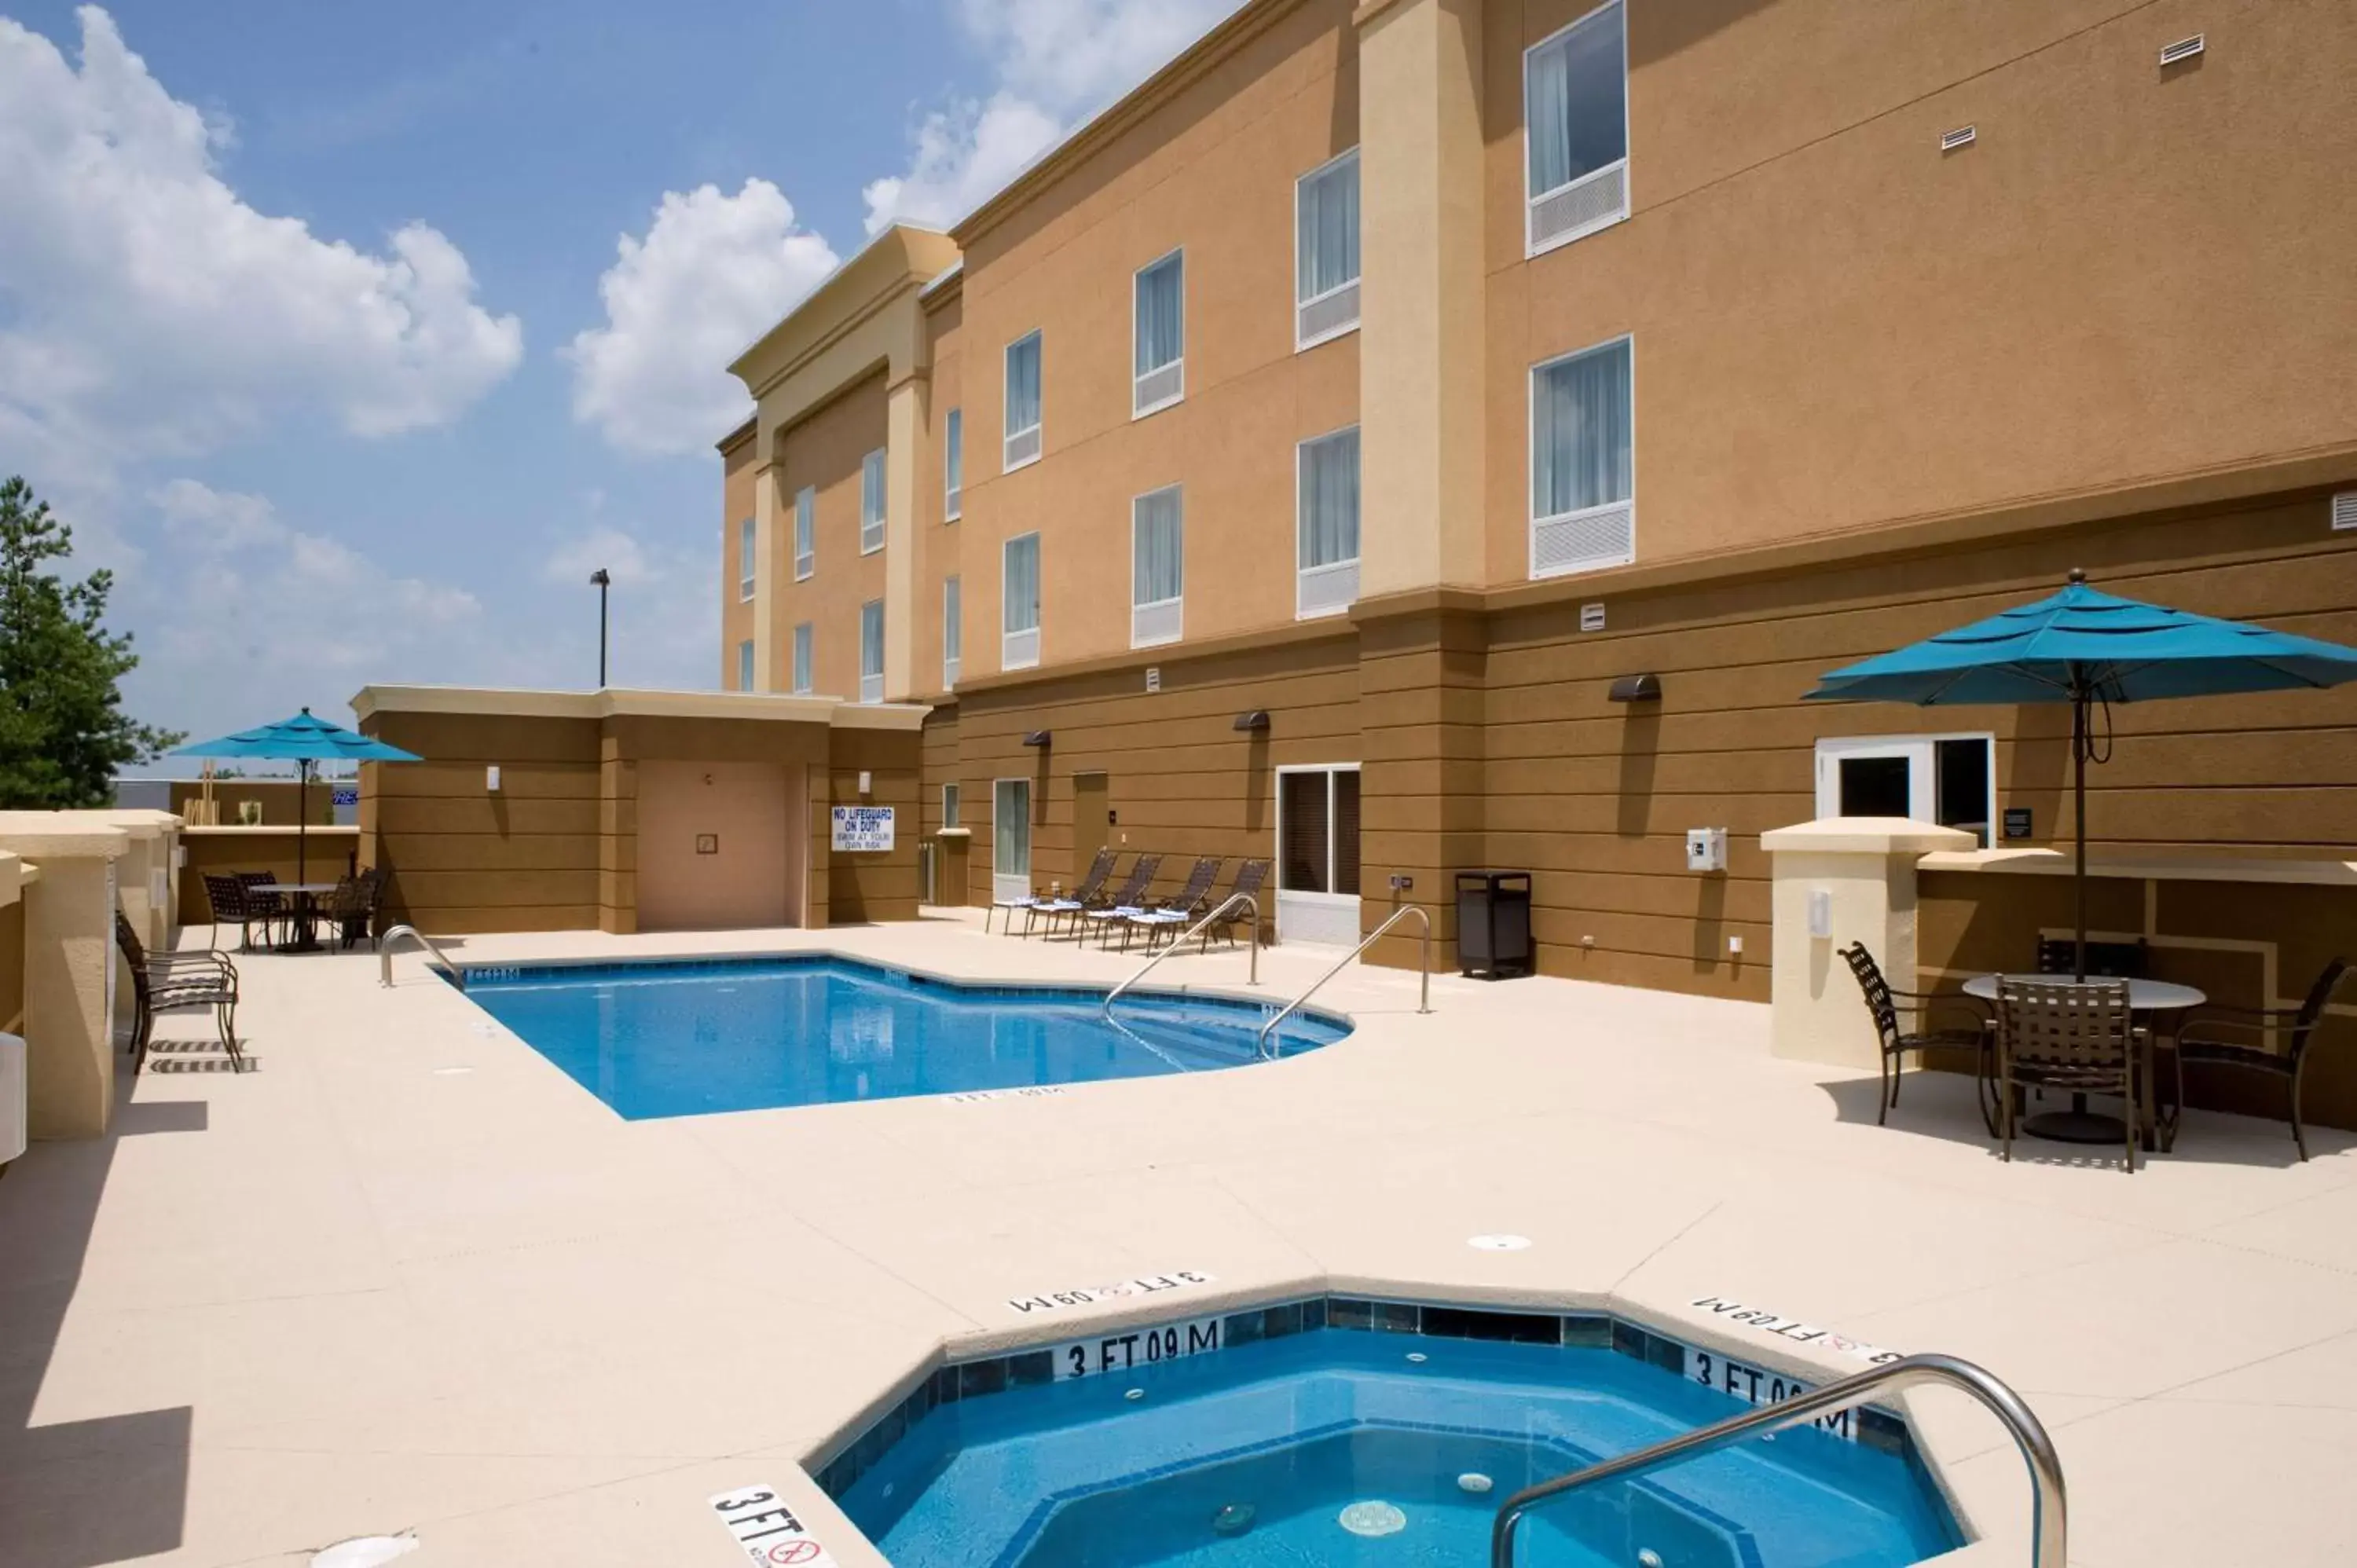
{"points": [[303, 912], [2078, 1124]]}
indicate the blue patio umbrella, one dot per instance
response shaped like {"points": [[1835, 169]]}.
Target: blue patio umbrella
{"points": [[302, 740], [2090, 649]]}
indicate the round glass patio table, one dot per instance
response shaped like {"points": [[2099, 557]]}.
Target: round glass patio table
{"points": [[2078, 1124]]}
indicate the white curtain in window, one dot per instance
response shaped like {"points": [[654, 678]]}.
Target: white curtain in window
{"points": [[1157, 569], [1020, 594], [803, 657], [1580, 431], [1329, 499], [871, 637], [871, 488], [1161, 314], [952, 618], [745, 556], [745, 666], [806, 520], [1023, 385], [953, 466], [1575, 100], [1325, 244]]}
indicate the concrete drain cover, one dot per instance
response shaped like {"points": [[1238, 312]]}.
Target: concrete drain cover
{"points": [[1373, 1518]]}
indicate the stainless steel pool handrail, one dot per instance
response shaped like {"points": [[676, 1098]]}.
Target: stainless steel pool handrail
{"points": [[1424, 995], [385, 955], [1232, 900], [2047, 1521]]}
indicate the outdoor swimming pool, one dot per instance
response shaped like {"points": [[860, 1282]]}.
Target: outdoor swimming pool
{"points": [[1363, 1450], [660, 1038]]}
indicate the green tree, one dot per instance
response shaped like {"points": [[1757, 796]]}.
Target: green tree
{"points": [[63, 732]]}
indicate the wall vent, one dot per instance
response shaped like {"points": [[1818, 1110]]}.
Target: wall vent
{"points": [[1596, 200], [1591, 618], [1962, 136], [2345, 511], [1583, 541], [2183, 49]]}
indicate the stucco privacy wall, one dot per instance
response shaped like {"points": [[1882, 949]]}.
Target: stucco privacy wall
{"points": [[12, 945], [69, 932], [557, 846]]}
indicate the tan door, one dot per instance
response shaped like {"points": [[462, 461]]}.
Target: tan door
{"points": [[1092, 819], [716, 845]]}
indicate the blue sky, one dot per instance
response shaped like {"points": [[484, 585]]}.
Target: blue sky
{"points": [[352, 339]]}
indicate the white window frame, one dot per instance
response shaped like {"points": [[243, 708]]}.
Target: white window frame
{"points": [[1301, 306], [953, 466], [1921, 752], [1038, 428], [806, 532], [748, 555], [745, 665], [1326, 569], [1531, 475], [952, 636], [1139, 408], [1146, 629], [1530, 202], [1011, 654], [1006, 886], [805, 658], [871, 682], [876, 464], [949, 803]]}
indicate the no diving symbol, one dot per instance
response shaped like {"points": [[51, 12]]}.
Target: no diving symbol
{"points": [[788, 1552]]}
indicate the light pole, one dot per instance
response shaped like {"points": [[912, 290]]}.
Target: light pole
{"points": [[602, 580]]}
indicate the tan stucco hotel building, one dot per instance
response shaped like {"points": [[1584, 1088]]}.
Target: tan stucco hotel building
{"points": [[1411, 373]]}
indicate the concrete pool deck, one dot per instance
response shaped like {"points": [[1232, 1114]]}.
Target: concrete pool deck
{"points": [[407, 1273]]}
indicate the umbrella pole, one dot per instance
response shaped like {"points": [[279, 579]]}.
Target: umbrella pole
{"points": [[2079, 818], [303, 814]]}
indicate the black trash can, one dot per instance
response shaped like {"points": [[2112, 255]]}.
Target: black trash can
{"points": [[1493, 923]]}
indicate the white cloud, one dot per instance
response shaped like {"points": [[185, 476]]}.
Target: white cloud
{"points": [[664, 603], [145, 308], [1057, 61], [714, 273]]}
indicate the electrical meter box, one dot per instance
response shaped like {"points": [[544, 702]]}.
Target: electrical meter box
{"points": [[1705, 849]]}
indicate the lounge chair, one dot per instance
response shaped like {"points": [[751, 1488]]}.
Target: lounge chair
{"points": [[1971, 1034], [168, 983], [2219, 1035], [1250, 878], [2077, 1036], [1085, 896], [1127, 900], [1182, 909]]}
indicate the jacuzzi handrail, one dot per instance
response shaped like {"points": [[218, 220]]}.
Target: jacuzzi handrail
{"points": [[1232, 900], [2047, 1508], [385, 955], [1423, 996]]}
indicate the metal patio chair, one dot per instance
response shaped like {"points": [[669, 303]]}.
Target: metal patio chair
{"points": [[177, 981], [2217, 1035], [1251, 876], [1179, 910], [1079, 901], [1128, 899], [1883, 1003], [2076, 1037]]}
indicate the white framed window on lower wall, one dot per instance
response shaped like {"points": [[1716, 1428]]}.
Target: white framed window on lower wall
{"points": [[1950, 780], [1318, 853], [1010, 839]]}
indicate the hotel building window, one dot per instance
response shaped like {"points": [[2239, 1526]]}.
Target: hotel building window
{"points": [[950, 804], [1326, 252], [1022, 402], [1327, 499], [1157, 573], [744, 560], [1018, 598], [1583, 469], [952, 631], [806, 532], [871, 652], [1576, 130], [1159, 306], [802, 659], [745, 665], [953, 466], [871, 502]]}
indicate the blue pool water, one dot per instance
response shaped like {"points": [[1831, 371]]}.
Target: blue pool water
{"points": [[1249, 1457], [677, 1039]]}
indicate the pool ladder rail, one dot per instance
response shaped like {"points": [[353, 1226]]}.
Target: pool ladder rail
{"points": [[1424, 991], [1246, 899], [385, 955], [2047, 1509]]}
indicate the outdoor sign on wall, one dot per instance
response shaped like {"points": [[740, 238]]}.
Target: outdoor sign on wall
{"points": [[346, 795], [2016, 821], [862, 829]]}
